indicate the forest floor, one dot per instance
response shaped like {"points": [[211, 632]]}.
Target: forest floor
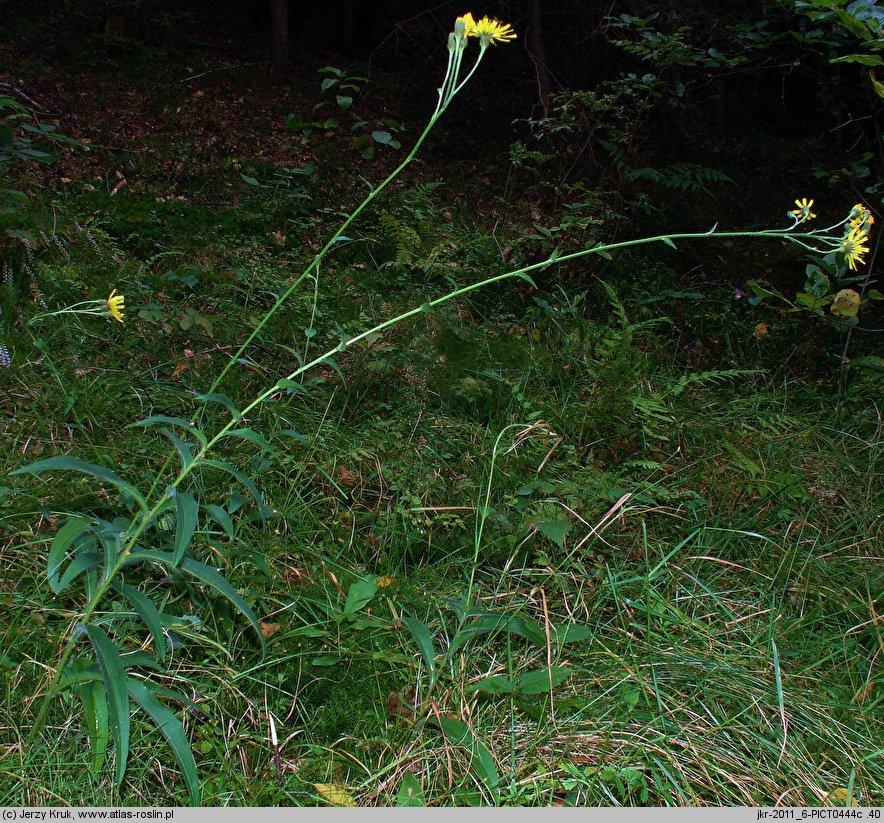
{"points": [[613, 540]]}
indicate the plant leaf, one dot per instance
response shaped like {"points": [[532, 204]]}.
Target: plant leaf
{"points": [[360, 595], [538, 681], [252, 488], [421, 634], [95, 716], [113, 673], [211, 577], [170, 727], [149, 613], [186, 514], [410, 792], [157, 419], [63, 462], [458, 733], [335, 794], [63, 539]]}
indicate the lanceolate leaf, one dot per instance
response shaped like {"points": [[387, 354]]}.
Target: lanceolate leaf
{"points": [[65, 537], [113, 674], [170, 727], [149, 613], [63, 462], [209, 576], [158, 419], [458, 734], [85, 561], [186, 513], [95, 715], [421, 634], [253, 489]]}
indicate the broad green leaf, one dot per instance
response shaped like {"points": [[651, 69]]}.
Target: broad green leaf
{"points": [[538, 681], [211, 577], [360, 595], [421, 634], [458, 733], [410, 792], [170, 727], [64, 538], [252, 488], [113, 674], [221, 517], [63, 462], [186, 514], [250, 180], [496, 684], [158, 419], [95, 717], [555, 530], [149, 613], [864, 59]]}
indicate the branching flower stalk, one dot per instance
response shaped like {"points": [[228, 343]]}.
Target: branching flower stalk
{"points": [[487, 31], [126, 548]]}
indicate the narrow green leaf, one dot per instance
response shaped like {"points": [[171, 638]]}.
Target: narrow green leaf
{"points": [[113, 674], [172, 729], [93, 696], [221, 399], [83, 562], [64, 538], [186, 515], [63, 462], [149, 613], [221, 517], [210, 577], [421, 634], [252, 488], [458, 733], [181, 446], [157, 419], [254, 437]]}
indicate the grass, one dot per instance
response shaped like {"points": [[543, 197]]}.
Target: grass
{"points": [[676, 594]]}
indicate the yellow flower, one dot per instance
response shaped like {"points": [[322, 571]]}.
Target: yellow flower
{"points": [[861, 218], [115, 305], [489, 30], [853, 248], [464, 26], [803, 211]]}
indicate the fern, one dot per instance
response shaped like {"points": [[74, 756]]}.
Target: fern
{"points": [[682, 177]]}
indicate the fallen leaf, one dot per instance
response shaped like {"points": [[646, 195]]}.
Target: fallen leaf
{"points": [[335, 794], [269, 629], [761, 331], [385, 581]]}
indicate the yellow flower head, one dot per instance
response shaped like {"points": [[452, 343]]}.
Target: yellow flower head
{"points": [[115, 305], [861, 218], [489, 30], [464, 26], [803, 211], [853, 247]]}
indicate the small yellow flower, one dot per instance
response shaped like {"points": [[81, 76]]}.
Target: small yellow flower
{"points": [[115, 305], [464, 26], [861, 218], [853, 248], [489, 30], [803, 211]]}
